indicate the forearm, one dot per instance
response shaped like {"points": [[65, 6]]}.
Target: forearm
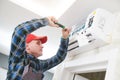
{"points": [[64, 44], [62, 51], [59, 57], [30, 26]]}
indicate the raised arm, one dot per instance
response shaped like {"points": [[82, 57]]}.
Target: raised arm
{"points": [[44, 65], [20, 32]]}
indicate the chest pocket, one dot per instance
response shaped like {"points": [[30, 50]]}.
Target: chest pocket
{"points": [[30, 75]]}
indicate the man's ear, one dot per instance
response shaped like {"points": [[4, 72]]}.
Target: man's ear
{"points": [[27, 47]]}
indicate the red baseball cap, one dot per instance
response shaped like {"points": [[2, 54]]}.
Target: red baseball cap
{"points": [[31, 37]]}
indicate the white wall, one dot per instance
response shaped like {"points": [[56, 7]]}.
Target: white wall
{"points": [[3, 73], [105, 58], [78, 77]]}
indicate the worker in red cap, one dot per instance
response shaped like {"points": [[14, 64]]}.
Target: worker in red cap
{"points": [[27, 47]]}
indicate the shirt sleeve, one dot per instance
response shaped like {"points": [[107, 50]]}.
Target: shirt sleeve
{"points": [[44, 65], [20, 32]]}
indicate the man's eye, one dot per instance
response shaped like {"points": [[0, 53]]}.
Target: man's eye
{"points": [[38, 43]]}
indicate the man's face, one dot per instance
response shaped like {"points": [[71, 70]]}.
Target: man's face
{"points": [[35, 48]]}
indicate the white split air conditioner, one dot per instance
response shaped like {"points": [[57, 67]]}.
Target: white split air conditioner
{"points": [[96, 32]]}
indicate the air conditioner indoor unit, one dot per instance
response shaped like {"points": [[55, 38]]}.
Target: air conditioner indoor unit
{"points": [[96, 32]]}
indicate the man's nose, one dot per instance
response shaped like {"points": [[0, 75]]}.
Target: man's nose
{"points": [[41, 46]]}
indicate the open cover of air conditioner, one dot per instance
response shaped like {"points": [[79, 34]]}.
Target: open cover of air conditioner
{"points": [[96, 32]]}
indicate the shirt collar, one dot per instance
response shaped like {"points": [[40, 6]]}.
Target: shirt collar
{"points": [[30, 56]]}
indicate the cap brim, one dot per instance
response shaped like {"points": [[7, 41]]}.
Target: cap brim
{"points": [[43, 39]]}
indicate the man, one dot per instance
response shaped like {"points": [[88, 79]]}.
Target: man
{"points": [[26, 47]]}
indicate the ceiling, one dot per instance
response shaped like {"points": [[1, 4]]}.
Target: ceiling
{"points": [[45, 7], [68, 12]]}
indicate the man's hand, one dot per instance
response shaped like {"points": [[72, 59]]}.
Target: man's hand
{"points": [[66, 32], [52, 21]]}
